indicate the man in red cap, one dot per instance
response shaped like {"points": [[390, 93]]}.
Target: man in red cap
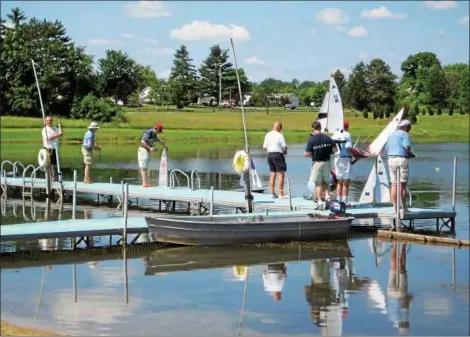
{"points": [[342, 162], [149, 138]]}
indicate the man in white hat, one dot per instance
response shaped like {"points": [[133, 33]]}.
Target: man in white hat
{"points": [[399, 151], [88, 146]]}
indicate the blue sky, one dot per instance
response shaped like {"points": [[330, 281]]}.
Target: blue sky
{"points": [[283, 39]]}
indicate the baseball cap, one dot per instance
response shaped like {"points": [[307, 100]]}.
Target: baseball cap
{"points": [[346, 124], [158, 127], [404, 122]]}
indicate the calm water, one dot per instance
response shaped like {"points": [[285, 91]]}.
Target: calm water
{"points": [[327, 295]]}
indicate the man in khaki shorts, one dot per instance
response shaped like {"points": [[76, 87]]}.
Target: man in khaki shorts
{"points": [[320, 147], [149, 138], [88, 146], [399, 151]]}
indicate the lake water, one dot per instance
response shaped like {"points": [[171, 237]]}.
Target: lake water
{"points": [[335, 293]]}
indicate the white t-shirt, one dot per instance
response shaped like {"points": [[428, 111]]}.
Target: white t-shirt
{"points": [[274, 141], [273, 280], [51, 131], [338, 135]]}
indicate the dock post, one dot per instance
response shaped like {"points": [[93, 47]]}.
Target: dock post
{"points": [[122, 197], [211, 210], [75, 292], [126, 275], [125, 208], [398, 221], [454, 182], [290, 195], [111, 196], [74, 196]]}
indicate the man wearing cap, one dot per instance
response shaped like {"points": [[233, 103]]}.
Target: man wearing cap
{"points": [[149, 138], [342, 162], [88, 146], [399, 151]]}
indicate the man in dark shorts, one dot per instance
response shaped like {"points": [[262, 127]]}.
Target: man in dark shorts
{"points": [[320, 147], [275, 145], [50, 139]]}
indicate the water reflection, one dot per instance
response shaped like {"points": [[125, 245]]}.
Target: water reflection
{"points": [[274, 277]]}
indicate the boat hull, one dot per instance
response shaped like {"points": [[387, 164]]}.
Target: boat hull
{"points": [[252, 230]]}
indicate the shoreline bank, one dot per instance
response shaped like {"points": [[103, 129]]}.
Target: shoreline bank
{"points": [[8, 329]]}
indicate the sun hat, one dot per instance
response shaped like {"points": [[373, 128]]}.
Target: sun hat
{"points": [[94, 125]]}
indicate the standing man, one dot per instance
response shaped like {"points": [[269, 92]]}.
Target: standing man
{"points": [[88, 146], [320, 147], [399, 151], [275, 145], [149, 138], [50, 138], [342, 162]]}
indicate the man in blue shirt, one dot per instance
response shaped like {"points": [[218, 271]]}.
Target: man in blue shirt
{"points": [[149, 138], [88, 146], [320, 147], [399, 151]]}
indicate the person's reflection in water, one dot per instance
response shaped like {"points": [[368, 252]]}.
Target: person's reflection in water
{"points": [[398, 297], [274, 278]]}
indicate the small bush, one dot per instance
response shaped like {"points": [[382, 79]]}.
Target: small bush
{"points": [[413, 119], [96, 109], [365, 114], [430, 111], [439, 110], [461, 111]]}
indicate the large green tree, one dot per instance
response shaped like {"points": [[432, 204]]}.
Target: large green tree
{"points": [[381, 88], [356, 94], [183, 77], [64, 70]]}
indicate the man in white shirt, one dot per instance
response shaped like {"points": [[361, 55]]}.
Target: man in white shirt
{"points": [[50, 138], [275, 145], [342, 162]]}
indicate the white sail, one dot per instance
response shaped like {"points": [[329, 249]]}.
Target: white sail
{"points": [[377, 145], [324, 105], [163, 173], [335, 108], [376, 189], [256, 183]]}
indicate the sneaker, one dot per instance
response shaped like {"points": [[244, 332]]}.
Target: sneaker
{"points": [[274, 196]]}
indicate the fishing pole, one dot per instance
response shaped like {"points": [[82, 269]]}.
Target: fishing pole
{"points": [[59, 172]]}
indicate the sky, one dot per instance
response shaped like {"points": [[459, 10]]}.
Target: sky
{"points": [[306, 40]]}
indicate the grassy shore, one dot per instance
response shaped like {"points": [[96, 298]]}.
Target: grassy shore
{"points": [[8, 329], [204, 125]]}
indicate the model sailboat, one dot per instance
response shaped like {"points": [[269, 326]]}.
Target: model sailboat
{"points": [[256, 184], [331, 113], [377, 188]]}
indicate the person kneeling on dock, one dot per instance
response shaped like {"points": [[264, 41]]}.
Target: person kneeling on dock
{"points": [[399, 151], [320, 147], [88, 146], [149, 138]]}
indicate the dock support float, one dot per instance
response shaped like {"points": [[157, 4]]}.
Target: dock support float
{"points": [[423, 238]]}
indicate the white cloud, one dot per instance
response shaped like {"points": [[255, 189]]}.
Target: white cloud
{"points": [[160, 51], [441, 32], [332, 16], [149, 40], [382, 13], [346, 71], [164, 74], [441, 4], [358, 31], [146, 9], [104, 42], [9, 25], [254, 60], [313, 32], [464, 21], [127, 35], [204, 30]]}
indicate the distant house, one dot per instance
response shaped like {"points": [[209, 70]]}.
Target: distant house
{"points": [[293, 99], [145, 95], [207, 100]]}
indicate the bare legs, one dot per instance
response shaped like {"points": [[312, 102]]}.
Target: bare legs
{"points": [[342, 190], [393, 196], [87, 174], [143, 174], [272, 183]]}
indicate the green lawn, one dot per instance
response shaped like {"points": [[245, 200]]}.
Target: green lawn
{"points": [[204, 125]]}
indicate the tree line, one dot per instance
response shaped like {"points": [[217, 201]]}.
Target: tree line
{"points": [[72, 87]]}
